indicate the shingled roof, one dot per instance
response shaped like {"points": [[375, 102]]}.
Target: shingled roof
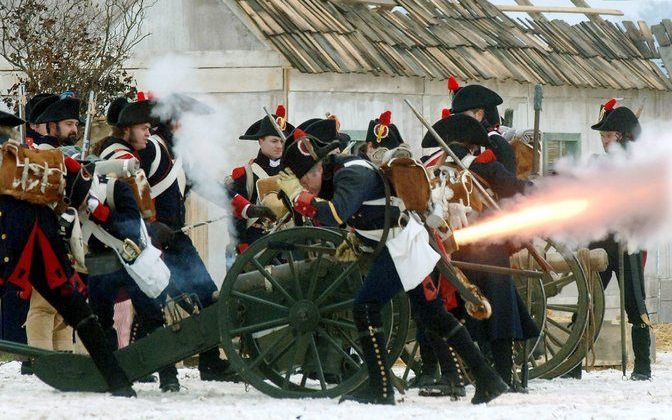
{"points": [[470, 39]]}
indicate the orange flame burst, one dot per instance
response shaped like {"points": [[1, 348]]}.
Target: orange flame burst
{"points": [[525, 220]]}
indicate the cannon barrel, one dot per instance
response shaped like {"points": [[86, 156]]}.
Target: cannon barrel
{"points": [[254, 280]]}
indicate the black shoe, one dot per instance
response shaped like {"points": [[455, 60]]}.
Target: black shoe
{"points": [[488, 386], [147, 379], [640, 376], [127, 392], [446, 386], [27, 367], [422, 380], [212, 368], [168, 381], [367, 395]]}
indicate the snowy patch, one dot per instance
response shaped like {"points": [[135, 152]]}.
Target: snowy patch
{"points": [[602, 394]]}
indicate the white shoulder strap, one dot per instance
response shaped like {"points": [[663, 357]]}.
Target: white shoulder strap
{"points": [[360, 162], [110, 151], [155, 140], [161, 186]]}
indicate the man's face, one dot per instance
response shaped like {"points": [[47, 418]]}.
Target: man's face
{"points": [[608, 138], [65, 131], [477, 114], [271, 147], [137, 135], [312, 181]]}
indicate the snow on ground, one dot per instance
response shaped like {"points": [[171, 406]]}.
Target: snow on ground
{"points": [[601, 395]]}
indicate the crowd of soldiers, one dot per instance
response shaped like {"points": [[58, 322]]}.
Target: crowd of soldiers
{"points": [[326, 179]]}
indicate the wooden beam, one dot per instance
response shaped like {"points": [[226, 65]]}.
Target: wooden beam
{"points": [[382, 3], [555, 9], [593, 18], [533, 15]]}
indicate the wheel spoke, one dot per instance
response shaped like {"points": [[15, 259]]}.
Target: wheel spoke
{"points": [[293, 361], [411, 360], [313, 277], [256, 299], [338, 322], [533, 361], [272, 280], [282, 352], [338, 348], [558, 284], [351, 342], [563, 308], [268, 349], [339, 306], [555, 340], [559, 326], [318, 362], [295, 276], [249, 329], [336, 283]]}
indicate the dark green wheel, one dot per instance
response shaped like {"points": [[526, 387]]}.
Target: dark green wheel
{"points": [[285, 316], [561, 317]]}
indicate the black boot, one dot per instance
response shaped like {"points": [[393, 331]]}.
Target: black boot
{"points": [[379, 389], [502, 357], [429, 367], [641, 346], [451, 382], [168, 381], [93, 338], [488, 384], [213, 368]]}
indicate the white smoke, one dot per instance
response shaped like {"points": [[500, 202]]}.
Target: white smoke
{"points": [[204, 153], [628, 193]]}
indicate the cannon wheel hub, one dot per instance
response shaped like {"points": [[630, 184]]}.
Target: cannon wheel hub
{"points": [[304, 316]]}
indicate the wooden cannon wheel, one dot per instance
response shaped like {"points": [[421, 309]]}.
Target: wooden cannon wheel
{"points": [[285, 316], [561, 319]]}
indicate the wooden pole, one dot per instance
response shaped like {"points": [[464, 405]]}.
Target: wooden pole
{"points": [[558, 9]]}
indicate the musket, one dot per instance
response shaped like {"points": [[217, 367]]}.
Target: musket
{"points": [[90, 112], [275, 125], [621, 288], [22, 112], [187, 228], [491, 201], [538, 98]]}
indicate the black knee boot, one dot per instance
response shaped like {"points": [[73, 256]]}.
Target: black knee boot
{"points": [[379, 390], [502, 357], [487, 382], [641, 346], [93, 338], [451, 382]]}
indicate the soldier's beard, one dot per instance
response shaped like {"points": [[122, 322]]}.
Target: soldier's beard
{"points": [[70, 140]]}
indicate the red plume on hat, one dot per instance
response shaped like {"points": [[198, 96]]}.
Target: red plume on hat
{"points": [[381, 129], [445, 113], [453, 85], [610, 104], [281, 116], [299, 134], [142, 97]]}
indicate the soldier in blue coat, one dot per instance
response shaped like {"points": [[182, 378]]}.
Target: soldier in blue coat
{"points": [[34, 256], [115, 212], [510, 319], [339, 190]]}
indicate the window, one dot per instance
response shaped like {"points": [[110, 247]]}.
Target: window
{"points": [[558, 145]]}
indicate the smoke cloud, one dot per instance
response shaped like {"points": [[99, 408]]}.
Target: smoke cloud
{"points": [[627, 193], [204, 154]]}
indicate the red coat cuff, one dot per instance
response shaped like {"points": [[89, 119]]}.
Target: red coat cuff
{"points": [[101, 213], [239, 204], [304, 204]]}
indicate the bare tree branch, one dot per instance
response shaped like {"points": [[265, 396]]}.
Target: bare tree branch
{"points": [[72, 44]]}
